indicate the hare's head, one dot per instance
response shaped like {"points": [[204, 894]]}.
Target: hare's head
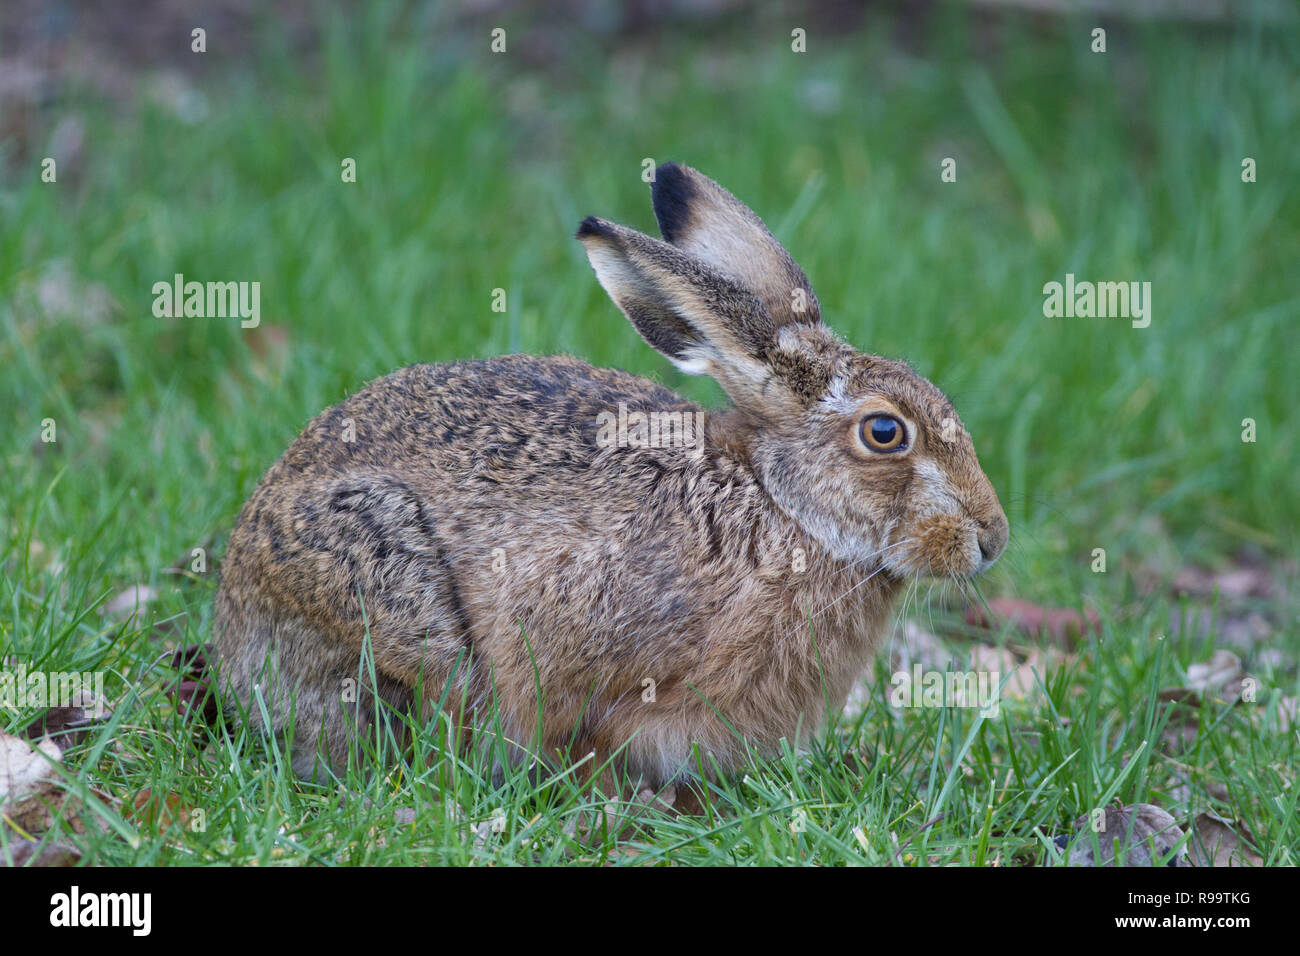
{"points": [[866, 455]]}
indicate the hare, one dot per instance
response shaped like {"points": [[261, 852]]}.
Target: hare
{"points": [[516, 533]]}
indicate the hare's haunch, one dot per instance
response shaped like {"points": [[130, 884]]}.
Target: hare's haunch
{"points": [[611, 568]]}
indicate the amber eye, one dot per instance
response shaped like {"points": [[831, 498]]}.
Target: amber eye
{"points": [[883, 433]]}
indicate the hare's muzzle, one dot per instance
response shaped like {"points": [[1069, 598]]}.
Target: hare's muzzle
{"points": [[992, 538]]}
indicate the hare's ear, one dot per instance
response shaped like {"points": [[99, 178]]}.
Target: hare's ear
{"points": [[705, 221], [701, 320]]}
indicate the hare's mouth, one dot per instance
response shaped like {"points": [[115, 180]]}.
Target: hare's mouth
{"points": [[943, 546]]}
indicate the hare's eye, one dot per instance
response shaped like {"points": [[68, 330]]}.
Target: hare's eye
{"points": [[883, 433]]}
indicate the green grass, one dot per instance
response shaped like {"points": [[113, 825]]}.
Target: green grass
{"points": [[473, 172]]}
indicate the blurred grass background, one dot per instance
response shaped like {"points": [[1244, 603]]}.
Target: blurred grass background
{"points": [[474, 169]]}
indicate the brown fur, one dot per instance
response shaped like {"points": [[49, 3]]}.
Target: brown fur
{"points": [[485, 540]]}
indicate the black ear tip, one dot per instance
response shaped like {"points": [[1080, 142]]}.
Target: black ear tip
{"points": [[591, 226], [669, 170], [671, 195]]}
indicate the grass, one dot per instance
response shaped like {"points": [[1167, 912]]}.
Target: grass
{"points": [[473, 171]]}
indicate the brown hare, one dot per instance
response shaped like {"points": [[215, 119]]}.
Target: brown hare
{"points": [[564, 543]]}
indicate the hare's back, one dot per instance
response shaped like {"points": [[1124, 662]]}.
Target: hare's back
{"points": [[504, 417], [401, 490]]}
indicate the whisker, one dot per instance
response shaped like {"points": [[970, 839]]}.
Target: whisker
{"points": [[821, 611]]}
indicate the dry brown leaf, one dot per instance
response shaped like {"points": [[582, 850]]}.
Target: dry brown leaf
{"points": [[622, 852], [30, 798], [1153, 835], [1217, 676], [158, 812], [1039, 666], [193, 690], [38, 813], [1221, 677], [135, 598], [24, 852], [915, 645], [1214, 842], [1233, 627], [25, 772], [986, 657], [1063, 626], [404, 816], [1022, 678], [68, 725], [1239, 581]]}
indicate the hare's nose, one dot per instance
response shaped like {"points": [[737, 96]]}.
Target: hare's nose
{"points": [[992, 538]]}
